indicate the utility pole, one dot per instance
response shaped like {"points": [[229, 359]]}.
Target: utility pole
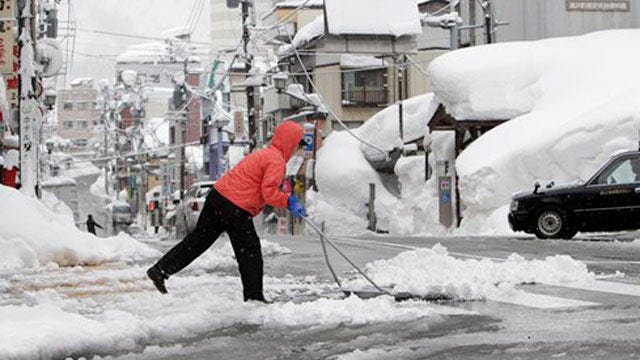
{"points": [[28, 103], [472, 20], [179, 102], [488, 22], [251, 108]]}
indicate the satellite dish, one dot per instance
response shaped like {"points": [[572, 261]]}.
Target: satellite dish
{"points": [[49, 57]]}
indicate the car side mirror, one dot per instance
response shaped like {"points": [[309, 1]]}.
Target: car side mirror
{"points": [[536, 186]]}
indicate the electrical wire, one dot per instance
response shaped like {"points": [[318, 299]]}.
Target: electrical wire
{"points": [[124, 156], [329, 108]]}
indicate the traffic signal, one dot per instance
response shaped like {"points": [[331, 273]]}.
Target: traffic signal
{"points": [[153, 205], [233, 4]]}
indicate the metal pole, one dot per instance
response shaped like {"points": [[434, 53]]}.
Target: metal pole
{"points": [[455, 36], [472, 20], [212, 165], [488, 22], [371, 207], [401, 120], [183, 128], [219, 155], [251, 116], [183, 141]]}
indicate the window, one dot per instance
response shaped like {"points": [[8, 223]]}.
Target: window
{"points": [[364, 87], [80, 142], [82, 124], [626, 171], [67, 124], [82, 105], [68, 105]]}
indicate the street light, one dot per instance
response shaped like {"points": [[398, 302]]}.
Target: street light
{"points": [[280, 81]]}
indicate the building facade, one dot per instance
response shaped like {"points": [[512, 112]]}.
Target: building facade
{"points": [[78, 115]]}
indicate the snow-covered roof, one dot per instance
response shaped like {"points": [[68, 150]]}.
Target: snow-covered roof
{"points": [[373, 17], [309, 32], [297, 3], [349, 61], [82, 81], [572, 102]]}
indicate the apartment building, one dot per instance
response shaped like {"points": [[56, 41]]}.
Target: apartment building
{"points": [[78, 115]]}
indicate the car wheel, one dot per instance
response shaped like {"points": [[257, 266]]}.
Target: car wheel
{"points": [[551, 223]]}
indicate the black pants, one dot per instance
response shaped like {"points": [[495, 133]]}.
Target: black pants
{"points": [[217, 216]]}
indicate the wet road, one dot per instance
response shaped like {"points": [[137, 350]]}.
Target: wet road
{"points": [[605, 323]]}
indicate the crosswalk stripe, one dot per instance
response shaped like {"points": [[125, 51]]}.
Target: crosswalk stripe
{"points": [[539, 301], [604, 286]]}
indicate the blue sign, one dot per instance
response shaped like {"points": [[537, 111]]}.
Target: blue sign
{"points": [[308, 139], [446, 196]]}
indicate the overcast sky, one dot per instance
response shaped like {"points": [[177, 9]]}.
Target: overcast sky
{"points": [[95, 53]]}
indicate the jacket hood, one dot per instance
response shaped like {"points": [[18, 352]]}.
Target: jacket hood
{"points": [[286, 138]]}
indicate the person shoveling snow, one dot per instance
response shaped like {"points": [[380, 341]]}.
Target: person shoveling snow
{"points": [[231, 205]]}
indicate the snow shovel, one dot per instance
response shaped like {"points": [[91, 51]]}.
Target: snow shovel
{"points": [[363, 294]]}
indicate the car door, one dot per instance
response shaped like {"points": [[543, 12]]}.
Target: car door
{"points": [[612, 198]]}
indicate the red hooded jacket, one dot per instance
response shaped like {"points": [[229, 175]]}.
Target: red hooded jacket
{"points": [[255, 181]]}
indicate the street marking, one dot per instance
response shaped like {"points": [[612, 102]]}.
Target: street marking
{"points": [[521, 297], [539, 301], [604, 286]]}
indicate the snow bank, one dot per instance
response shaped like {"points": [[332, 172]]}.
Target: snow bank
{"points": [[434, 272], [53, 325], [572, 101], [343, 173], [222, 257], [383, 128], [401, 17], [31, 235]]}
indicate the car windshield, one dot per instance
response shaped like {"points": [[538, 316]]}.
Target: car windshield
{"points": [[204, 190], [121, 209]]}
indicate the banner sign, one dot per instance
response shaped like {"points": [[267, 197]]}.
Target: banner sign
{"points": [[7, 9], [599, 5], [7, 42]]}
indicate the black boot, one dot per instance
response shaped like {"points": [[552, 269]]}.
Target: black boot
{"points": [[259, 298], [158, 277]]}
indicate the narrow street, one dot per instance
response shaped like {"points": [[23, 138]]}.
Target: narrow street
{"points": [[573, 321], [538, 325], [90, 204]]}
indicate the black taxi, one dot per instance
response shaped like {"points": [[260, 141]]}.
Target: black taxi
{"points": [[608, 201]]}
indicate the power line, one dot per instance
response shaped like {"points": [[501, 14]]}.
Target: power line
{"points": [[134, 36], [329, 108]]}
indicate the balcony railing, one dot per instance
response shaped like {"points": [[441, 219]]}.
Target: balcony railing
{"points": [[364, 96]]}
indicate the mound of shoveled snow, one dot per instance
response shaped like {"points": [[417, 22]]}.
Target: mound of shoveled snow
{"points": [[571, 102], [434, 271], [31, 235]]}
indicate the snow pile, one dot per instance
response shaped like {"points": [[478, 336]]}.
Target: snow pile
{"points": [[306, 34], [383, 128], [349, 61], [54, 325], [78, 168], [222, 258], [31, 235], [564, 124], [343, 173], [401, 17], [343, 176], [56, 205], [434, 272]]}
